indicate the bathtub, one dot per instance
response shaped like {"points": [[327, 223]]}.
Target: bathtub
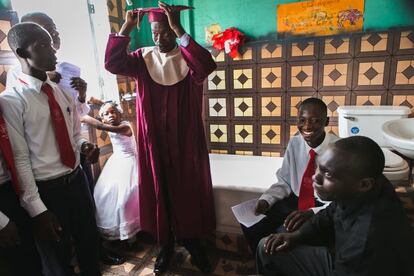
{"points": [[237, 178]]}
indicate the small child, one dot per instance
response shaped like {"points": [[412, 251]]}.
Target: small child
{"points": [[116, 191]]}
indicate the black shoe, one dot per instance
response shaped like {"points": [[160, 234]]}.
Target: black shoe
{"points": [[111, 258], [200, 260], [163, 259], [198, 255]]}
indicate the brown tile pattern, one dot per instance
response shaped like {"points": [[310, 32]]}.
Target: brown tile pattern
{"points": [[402, 73], [334, 75], [217, 107], [242, 78], [247, 54], [116, 14], [374, 44], [404, 42], [262, 89], [5, 26], [217, 80], [218, 56], [271, 77], [7, 59], [272, 51]]}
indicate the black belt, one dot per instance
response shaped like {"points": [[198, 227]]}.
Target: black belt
{"points": [[58, 182]]}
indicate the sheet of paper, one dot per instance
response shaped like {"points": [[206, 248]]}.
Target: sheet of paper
{"points": [[244, 213], [68, 71]]}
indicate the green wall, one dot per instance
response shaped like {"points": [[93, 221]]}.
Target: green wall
{"points": [[257, 18], [5, 5]]}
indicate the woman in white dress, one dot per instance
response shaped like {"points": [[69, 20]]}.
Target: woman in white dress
{"points": [[116, 191]]}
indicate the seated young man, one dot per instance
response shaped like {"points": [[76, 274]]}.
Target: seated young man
{"points": [[365, 226], [291, 201]]}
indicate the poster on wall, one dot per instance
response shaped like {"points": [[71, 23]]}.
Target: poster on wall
{"points": [[320, 17]]}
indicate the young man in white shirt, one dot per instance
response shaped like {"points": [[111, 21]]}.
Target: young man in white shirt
{"points": [[291, 201], [79, 86], [44, 130]]}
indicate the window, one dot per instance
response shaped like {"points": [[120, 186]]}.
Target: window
{"points": [[83, 39]]}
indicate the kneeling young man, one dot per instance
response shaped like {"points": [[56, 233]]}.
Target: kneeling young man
{"points": [[364, 231]]}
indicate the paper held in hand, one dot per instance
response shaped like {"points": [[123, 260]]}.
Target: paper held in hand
{"points": [[68, 71], [244, 213]]}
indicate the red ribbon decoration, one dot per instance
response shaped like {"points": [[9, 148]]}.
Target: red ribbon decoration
{"points": [[229, 40]]}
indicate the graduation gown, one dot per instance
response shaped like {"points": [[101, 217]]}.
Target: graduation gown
{"points": [[174, 169]]}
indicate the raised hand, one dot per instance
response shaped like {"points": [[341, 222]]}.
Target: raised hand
{"points": [[80, 85], [173, 14], [132, 18]]}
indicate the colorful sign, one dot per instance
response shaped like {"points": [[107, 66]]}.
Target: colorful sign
{"points": [[320, 17]]}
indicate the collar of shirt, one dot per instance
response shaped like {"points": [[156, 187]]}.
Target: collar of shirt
{"points": [[33, 83], [319, 149]]}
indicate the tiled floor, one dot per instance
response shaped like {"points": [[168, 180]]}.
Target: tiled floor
{"points": [[141, 257], [141, 262]]}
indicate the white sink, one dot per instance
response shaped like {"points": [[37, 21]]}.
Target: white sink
{"points": [[400, 135]]}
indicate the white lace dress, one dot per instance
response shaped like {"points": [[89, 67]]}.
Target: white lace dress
{"points": [[116, 191]]}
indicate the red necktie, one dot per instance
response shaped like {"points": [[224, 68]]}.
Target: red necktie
{"points": [[306, 197], [67, 156], [8, 154]]}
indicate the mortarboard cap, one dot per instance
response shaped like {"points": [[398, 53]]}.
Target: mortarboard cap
{"points": [[158, 14]]}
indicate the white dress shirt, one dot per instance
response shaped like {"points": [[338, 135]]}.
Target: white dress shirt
{"points": [[14, 73], [4, 177], [293, 167], [36, 153]]}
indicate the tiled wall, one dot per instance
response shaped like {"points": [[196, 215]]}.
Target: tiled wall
{"points": [[251, 102], [7, 59]]}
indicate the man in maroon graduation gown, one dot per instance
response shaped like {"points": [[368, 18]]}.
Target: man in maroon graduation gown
{"points": [[176, 198]]}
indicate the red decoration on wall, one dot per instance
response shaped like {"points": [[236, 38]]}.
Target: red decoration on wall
{"points": [[229, 40]]}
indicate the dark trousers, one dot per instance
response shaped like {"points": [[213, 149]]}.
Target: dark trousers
{"points": [[69, 199], [23, 259], [275, 217], [300, 261], [86, 167]]}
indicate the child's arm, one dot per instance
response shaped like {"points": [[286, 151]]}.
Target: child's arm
{"points": [[123, 129]]}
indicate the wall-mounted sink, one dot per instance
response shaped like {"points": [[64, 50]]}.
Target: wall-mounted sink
{"points": [[400, 135]]}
